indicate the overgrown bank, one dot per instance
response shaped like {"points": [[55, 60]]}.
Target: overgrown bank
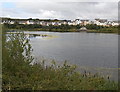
{"points": [[20, 74]]}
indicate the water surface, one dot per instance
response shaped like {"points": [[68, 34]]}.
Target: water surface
{"points": [[93, 51]]}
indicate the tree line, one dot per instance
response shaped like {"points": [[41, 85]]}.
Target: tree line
{"points": [[63, 26]]}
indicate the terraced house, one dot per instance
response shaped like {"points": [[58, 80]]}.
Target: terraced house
{"points": [[55, 22]]}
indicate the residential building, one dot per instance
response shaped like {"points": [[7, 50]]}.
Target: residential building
{"points": [[115, 23], [30, 22], [101, 22], [22, 22], [84, 22], [78, 21], [56, 22]]}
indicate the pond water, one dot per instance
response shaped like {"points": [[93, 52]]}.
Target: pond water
{"points": [[89, 51]]}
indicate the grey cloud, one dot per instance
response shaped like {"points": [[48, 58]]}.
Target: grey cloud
{"points": [[66, 10]]}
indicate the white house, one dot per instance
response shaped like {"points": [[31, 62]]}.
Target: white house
{"points": [[84, 22], [22, 22], [101, 22], [70, 23], [78, 21], [115, 23], [73, 22], [11, 22], [96, 21], [4, 21], [29, 22]]}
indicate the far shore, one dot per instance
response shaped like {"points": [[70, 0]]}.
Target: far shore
{"points": [[62, 31], [63, 28]]}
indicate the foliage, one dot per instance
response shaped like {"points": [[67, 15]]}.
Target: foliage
{"points": [[16, 53], [59, 28], [109, 30], [105, 30], [62, 28], [20, 74], [94, 26]]}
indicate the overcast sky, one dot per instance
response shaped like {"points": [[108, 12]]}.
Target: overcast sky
{"points": [[59, 10]]}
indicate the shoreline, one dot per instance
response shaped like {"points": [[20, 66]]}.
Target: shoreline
{"points": [[89, 31]]}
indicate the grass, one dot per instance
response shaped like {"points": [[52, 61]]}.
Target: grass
{"points": [[53, 77]]}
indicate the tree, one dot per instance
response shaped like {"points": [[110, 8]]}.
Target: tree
{"points": [[16, 58]]}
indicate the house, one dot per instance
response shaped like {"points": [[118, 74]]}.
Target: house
{"points": [[29, 22], [101, 22], [65, 22], [59, 23], [11, 22], [84, 22], [35, 21], [109, 23], [4, 21], [91, 22], [115, 23], [41, 22], [69, 22], [96, 21], [22, 22], [73, 22], [78, 21], [55, 23]]}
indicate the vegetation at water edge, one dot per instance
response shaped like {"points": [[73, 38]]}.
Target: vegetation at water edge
{"points": [[63, 28]]}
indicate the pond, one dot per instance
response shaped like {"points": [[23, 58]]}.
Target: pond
{"points": [[93, 52]]}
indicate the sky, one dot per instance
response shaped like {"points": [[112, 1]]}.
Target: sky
{"points": [[56, 9]]}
